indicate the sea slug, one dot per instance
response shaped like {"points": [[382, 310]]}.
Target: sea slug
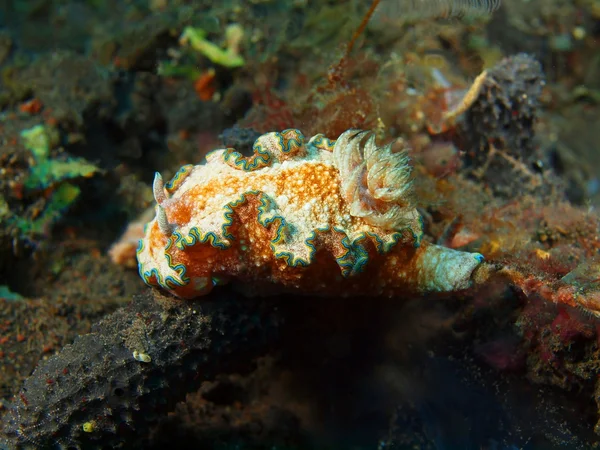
{"points": [[317, 217]]}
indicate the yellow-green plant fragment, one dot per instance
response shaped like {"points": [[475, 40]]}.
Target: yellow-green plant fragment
{"points": [[227, 57], [39, 140]]}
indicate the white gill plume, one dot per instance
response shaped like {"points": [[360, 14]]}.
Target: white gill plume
{"points": [[376, 181]]}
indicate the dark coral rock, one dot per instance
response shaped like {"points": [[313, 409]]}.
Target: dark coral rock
{"points": [[183, 109], [109, 387], [498, 130], [242, 139], [74, 87]]}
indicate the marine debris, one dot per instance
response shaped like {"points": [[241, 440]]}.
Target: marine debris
{"points": [[228, 56]]}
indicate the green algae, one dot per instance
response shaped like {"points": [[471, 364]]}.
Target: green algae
{"points": [[7, 294], [49, 175], [47, 172], [50, 172]]}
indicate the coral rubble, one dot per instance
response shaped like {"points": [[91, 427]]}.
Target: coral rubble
{"points": [[110, 386], [498, 129]]}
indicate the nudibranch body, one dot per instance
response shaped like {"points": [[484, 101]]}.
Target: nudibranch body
{"points": [[319, 217]]}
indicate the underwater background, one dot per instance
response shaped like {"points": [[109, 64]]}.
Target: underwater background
{"points": [[496, 105]]}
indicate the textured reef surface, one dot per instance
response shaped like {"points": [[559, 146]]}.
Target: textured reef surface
{"points": [[380, 228]]}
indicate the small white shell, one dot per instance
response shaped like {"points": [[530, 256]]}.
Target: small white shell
{"points": [[141, 357]]}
